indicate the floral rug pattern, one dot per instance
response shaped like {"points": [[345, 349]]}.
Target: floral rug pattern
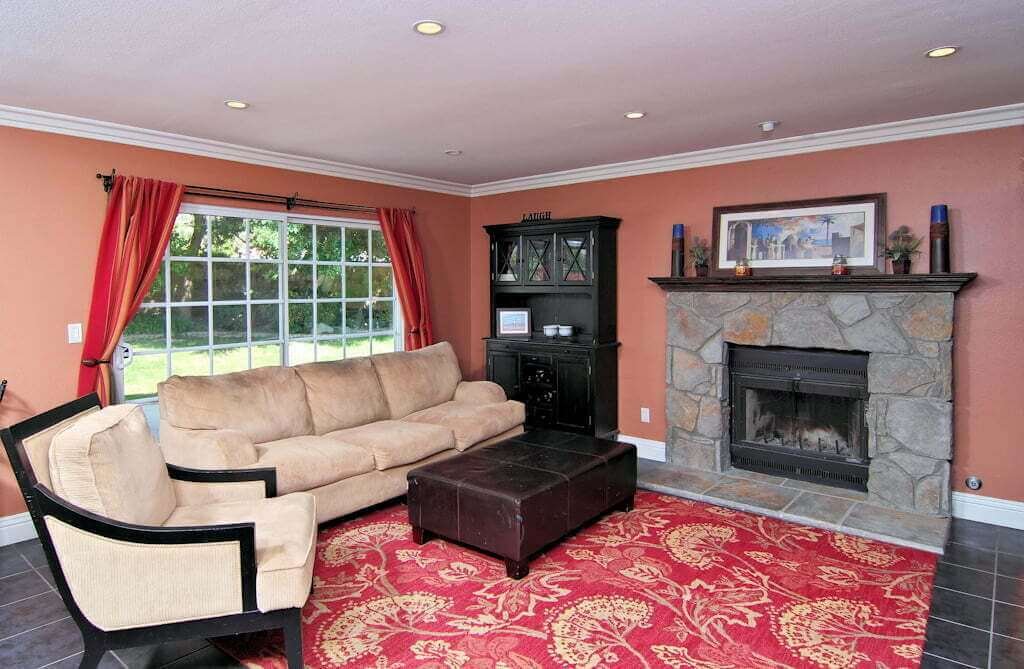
{"points": [[673, 583]]}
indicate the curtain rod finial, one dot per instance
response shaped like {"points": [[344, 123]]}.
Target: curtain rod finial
{"points": [[108, 180]]}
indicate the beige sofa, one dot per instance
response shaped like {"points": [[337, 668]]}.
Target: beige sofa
{"points": [[348, 431]]}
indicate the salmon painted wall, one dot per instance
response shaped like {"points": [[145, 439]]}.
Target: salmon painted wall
{"points": [[978, 174], [50, 228]]}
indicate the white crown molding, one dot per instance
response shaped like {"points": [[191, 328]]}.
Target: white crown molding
{"points": [[929, 126], [993, 510], [62, 124]]}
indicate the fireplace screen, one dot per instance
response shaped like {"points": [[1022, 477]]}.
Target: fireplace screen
{"points": [[800, 414]]}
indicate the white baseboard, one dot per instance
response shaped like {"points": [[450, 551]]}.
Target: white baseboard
{"points": [[648, 449], [16, 528], [990, 510]]}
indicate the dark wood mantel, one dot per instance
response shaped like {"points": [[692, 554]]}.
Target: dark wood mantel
{"points": [[864, 283]]}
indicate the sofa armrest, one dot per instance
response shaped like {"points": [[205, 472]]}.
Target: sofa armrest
{"points": [[479, 392], [120, 575], [206, 486], [206, 449]]}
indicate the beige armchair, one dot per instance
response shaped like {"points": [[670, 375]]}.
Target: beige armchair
{"points": [[144, 552]]}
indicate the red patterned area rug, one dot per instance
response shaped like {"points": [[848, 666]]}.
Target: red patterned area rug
{"points": [[674, 583]]}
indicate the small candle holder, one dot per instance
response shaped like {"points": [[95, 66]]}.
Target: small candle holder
{"points": [[743, 268], [839, 266]]}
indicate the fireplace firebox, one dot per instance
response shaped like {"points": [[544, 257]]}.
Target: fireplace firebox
{"points": [[799, 413]]}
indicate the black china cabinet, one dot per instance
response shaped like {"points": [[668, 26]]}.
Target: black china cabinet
{"points": [[564, 271]]}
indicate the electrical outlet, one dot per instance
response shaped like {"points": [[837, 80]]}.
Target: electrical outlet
{"points": [[645, 415], [74, 333]]}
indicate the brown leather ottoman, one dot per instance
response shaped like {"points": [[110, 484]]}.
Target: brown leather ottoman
{"points": [[515, 497]]}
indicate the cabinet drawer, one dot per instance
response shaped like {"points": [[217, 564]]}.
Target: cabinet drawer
{"points": [[531, 358], [499, 346]]}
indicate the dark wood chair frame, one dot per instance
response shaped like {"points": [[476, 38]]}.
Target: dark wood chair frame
{"points": [[42, 502]]}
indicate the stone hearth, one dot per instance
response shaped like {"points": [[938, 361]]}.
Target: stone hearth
{"points": [[909, 336]]}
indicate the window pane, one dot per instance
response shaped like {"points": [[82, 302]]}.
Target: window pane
{"points": [[357, 282], [157, 290], [188, 282], [265, 322], [191, 363], [188, 237], [328, 318], [263, 281], [229, 324], [300, 320], [268, 355], [328, 243], [141, 377], [228, 235], [357, 317], [331, 349], [357, 242], [383, 344], [264, 241], [383, 316], [357, 348], [382, 285], [228, 280], [230, 360], [189, 327], [300, 352], [380, 247], [328, 281], [300, 281], [300, 241], [148, 330]]}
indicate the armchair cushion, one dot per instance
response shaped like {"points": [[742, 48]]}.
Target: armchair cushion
{"points": [[304, 463], [342, 394], [473, 423], [479, 392], [415, 380], [395, 443], [108, 462], [285, 542]]}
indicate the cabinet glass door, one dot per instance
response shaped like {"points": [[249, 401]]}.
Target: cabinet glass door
{"points": [[507, 260], [574, 261], [539, 250]]}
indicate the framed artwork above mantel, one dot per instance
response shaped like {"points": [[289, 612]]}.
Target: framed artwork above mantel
{"points": [[800, 237]]}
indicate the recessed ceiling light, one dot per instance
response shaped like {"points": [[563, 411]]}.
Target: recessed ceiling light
{"points": [[941, 51], [633, 115], [236, 104], [768, 126], [428, 27], [453, 152]]}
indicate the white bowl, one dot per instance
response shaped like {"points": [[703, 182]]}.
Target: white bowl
{"points": [[565, 330], [550, 330]]}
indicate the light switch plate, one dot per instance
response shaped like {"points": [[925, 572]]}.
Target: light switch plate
{"points": [[645, 415], [74, 333]]}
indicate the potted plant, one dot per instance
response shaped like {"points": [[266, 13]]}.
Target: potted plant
{"points": [[699, 254], [902, 248]]}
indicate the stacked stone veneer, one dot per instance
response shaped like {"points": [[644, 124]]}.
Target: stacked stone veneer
{"points": [[909, 337]]}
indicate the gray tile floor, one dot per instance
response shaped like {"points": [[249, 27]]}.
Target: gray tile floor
{"points": [[977, 616]]}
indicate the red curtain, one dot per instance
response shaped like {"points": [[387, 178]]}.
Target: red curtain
{"points": [[410, 275], [136, 229]]}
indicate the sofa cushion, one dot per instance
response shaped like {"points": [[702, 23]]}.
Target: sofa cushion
{"points": [[285, 542], [342, 394], [108, 462], [265, 404], [395, 443], [304, 463], [415, 380], [473, 423]]}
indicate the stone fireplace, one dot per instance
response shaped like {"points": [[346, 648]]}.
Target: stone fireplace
{"points": [[901, 326]]}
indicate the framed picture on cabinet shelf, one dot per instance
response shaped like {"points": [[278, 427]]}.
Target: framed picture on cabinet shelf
{"points": [[512, 323]]}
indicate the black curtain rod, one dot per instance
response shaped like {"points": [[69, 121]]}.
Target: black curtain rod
{"points": [[288, 201]]}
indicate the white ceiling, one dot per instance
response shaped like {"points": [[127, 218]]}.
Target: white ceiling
{"points": [[522, 87]]}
